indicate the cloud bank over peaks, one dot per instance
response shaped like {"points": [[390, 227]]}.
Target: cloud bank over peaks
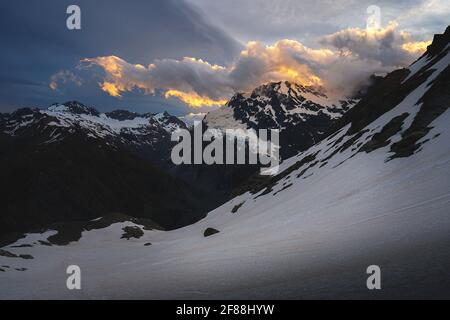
{"points": [[385, 45], [344, 61], [363, 52]]}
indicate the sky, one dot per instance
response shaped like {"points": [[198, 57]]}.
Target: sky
{"points": [[189, 56]]}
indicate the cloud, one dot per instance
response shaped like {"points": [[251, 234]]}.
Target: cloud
{"points": [[383, 45], [63, 77], [416, 47], [346, 59], [199, 83], [268, 20], [194, 81], [33, 48], [367, 51], [193, 99], [191, 117], [284, 60]]}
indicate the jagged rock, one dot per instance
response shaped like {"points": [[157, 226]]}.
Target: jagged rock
{"points": [[210, 231], [7, 254], [236, 207], [132, 232], [26, 256]]}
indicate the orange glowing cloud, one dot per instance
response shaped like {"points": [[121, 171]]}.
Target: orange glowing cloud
{"points": [[416, 47], [111, 89], [194, 100], [287, 60], [346, 59], [303, 77]]}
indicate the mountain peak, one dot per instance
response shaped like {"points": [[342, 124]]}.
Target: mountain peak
{"points": [[284, 88], [74, 107], [169, 121], [302, 114]]}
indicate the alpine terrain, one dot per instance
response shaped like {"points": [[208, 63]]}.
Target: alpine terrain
{"points": [[69, 163], [302, 114], [369, 185]]}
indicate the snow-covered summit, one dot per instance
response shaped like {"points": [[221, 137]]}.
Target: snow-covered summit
{"points": [[281, 104], [73, 107], [146, 135], [74, 116], [302, 114]]}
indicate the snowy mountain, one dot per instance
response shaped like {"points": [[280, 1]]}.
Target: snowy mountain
{"points": [[302, 114], [374, 192], [146, 133], [69, 162], [147, 136]]}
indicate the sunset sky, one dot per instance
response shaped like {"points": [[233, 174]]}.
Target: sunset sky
{"points": [[192, 55]]}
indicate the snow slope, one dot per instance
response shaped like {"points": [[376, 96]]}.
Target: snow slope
{"points": [[315, 239]]}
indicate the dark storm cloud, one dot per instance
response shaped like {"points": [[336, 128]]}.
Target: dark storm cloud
{"points": [[37, 45]]}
